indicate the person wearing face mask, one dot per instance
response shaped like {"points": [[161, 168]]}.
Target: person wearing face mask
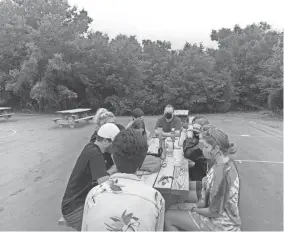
{"points": [[167, 122], [89, 171], [217, 208]]}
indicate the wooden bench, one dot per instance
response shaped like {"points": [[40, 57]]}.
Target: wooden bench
{"points": [[7, 115], [86, 119], [56, 119]]}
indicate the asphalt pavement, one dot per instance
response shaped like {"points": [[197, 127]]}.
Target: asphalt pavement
{"points": [[36, 159]]}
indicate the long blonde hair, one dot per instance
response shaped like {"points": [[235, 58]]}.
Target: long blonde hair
{"points": [[102, 116]]}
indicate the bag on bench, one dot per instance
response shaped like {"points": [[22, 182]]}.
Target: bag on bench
{"points": [[151, 164]]}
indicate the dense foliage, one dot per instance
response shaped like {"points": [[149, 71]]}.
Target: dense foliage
{"points": [[50, 59]]}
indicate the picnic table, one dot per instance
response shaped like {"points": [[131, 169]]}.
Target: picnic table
{"points": [[177, 185], [5, 112], [182, 114], [172, 188], [72, 117]]}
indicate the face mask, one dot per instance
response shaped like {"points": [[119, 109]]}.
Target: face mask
{"points": [[168, 115]]}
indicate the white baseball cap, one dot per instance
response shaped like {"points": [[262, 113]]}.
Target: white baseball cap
{"points": [[108, 131]]}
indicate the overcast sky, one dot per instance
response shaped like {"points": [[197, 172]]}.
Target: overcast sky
{"points": [[179, 20]]}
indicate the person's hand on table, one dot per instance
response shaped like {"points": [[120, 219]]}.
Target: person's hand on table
{"points": [[173, 136]]}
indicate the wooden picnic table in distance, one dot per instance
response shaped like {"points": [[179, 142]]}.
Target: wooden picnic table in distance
{"points": [[71, 117], [182, 114], [5, 112], [178, 183]]}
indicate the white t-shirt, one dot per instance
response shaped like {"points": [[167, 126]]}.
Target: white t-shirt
{"points": [[126, 203]]}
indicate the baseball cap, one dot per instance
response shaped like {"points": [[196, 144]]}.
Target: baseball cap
{"points": [[137, 113], [108, 131]]}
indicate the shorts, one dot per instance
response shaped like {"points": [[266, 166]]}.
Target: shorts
{"points": [[197, 219], [74, 219]]}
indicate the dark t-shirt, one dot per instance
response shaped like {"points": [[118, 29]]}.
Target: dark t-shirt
{"points": [[89, 167], [167, 126], [199, 170]]}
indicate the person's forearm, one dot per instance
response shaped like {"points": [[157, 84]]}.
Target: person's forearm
{"points": [[166, 134], [205, 212], [112, 170], [169, 134], [102, 179], [200, 204]]}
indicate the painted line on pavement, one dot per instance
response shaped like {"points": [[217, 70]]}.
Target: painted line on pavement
{"points": [[259, 161], [13, 132], [255, 136], [268, 127]]}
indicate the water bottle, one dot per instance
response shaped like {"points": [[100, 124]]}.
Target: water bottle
{"points": [[162, 146], [182, 137], [178, 157], [189, 133], [173, 139]]}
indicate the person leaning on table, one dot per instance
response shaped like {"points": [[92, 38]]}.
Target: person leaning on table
{"points": [[125, 202], [167, 122], [217, 208], [89, 171], [138, 114], [102, 117]]}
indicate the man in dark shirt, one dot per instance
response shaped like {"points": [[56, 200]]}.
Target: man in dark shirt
{"points": [[167, 122], [89, 171]]}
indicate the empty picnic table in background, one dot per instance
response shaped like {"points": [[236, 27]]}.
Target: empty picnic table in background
{"points": [[182, 114], [5, 112], [172, 180], [72, 117]]}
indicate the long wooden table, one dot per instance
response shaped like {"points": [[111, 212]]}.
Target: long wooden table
{"points": [[178, 184], [71, 117]]}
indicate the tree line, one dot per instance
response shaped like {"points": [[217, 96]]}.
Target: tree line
{"points": [[50, 60]]}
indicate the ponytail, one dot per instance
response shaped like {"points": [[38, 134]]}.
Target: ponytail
{"points": [[232, 149]]}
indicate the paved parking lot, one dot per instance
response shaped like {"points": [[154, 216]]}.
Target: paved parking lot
{"points": [[36, 159]]}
